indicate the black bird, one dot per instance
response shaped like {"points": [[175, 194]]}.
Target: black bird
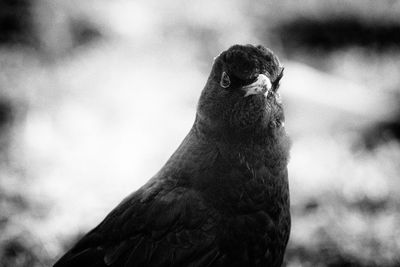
{"points": [[222, 199]]}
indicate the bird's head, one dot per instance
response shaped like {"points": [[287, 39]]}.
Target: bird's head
{"points": [[241, 91]]}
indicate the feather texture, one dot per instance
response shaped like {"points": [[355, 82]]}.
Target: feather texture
{"points": [[222, 199]]}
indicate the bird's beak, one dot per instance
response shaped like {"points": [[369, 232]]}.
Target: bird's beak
{"points": [[261, 86]]}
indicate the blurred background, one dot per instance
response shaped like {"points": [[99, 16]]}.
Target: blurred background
{"points": [[95, 96]]}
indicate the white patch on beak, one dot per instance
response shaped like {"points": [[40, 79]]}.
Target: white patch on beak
{"points": [[261, 86]]}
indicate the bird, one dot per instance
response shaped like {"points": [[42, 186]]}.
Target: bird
{"points": [[222, 198]]}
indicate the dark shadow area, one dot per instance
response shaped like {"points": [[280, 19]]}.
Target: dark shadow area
{"points": [[16, 22], [336, 33], [6, 114], [381, 133]]}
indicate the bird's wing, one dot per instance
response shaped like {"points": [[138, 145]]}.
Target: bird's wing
{"points": [[156, 226]]}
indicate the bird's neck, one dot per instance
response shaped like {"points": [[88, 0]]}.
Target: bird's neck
{"points": [[257, 137], [221, 169], [203, 146]]}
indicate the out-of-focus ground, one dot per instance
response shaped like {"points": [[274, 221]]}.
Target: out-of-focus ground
{"points": [[95, 96]]}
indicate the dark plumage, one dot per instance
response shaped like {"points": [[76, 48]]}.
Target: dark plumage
{"points": [[222, 198]]}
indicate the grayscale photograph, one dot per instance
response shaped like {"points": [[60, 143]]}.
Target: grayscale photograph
{"points": [[225, 133]]}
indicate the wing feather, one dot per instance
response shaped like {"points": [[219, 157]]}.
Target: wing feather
{"points": [[173, 226]]}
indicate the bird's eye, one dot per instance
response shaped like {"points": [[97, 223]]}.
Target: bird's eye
{"points": [[225, 80]]}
